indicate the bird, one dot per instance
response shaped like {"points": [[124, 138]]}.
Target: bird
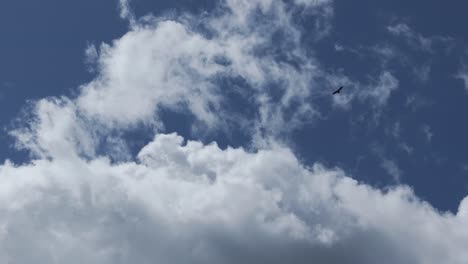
{"points": [[337, 91]]}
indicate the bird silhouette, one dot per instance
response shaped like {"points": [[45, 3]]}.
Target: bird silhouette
{"points": [[337, 91]]}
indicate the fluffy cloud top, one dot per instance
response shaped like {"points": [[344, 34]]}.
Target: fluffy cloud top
{"points": [[196, 203]]}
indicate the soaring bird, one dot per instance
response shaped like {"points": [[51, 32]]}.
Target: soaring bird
{"points": [[337, 91]]}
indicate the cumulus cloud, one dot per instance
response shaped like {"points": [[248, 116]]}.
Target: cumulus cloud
{"points": [[170, 63], [195, 203], [84, 198]]}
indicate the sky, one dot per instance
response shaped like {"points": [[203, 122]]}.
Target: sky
{"points": [[206, 131]]}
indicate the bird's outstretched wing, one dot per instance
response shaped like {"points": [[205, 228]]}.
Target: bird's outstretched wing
{"points": [[338, 91]]}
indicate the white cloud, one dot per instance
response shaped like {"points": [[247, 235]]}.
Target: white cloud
{"points": [[416, 101], [162, 66], [427, 132], [377, 92], [312, 2], [387, 83], [166, 63], [196, 203], [338, 47], [420, 43], [415, 39], [407, 148], [463, 76], [91, 57], [396, 132], [392, 169], [54, 128], [169, 64], [126, 11], [389, 165]]}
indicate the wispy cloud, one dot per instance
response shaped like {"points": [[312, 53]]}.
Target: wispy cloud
{"points": [[392, 169], [417, 101], [427, 132], [416, 39], [126, 11], [407, 148], [462, 74], [419, 43], [388, 164], [91, 57]]}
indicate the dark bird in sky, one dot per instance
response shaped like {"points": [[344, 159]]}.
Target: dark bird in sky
{"points": [[337, 91]]}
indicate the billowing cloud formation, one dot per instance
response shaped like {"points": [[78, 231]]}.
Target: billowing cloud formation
{"points": [[194, 64], [170, 63], [194, 203], [250, 50]]}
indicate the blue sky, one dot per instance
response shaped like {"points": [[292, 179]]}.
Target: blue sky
{"points": [[93, 90]]}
